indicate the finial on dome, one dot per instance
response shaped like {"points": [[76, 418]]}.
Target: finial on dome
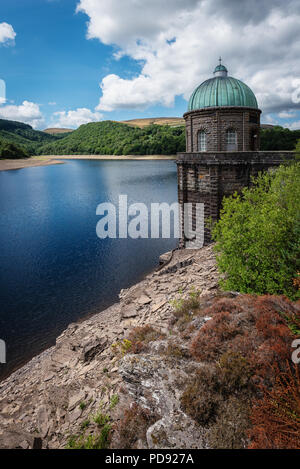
{"points": [[220, 70]]}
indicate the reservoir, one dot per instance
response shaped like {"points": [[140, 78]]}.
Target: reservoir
{"points": [[54, 270]]}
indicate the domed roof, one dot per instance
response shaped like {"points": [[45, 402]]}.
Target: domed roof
{"points": [[222, 90]]}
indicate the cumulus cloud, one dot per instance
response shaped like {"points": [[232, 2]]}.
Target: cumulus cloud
{"points": [[292, 126], [287, 114], [7, 33], [27, 112], [75, 118], [178, 42]]}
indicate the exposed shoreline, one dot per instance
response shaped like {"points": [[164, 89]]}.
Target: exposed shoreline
{"points": [[44, 160], [9, 164], [111, 157], [42, 398]]}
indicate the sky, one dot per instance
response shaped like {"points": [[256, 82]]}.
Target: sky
{"points": [[68, 62]]}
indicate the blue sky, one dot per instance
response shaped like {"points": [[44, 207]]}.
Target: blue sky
{"points": [[148, 58]]}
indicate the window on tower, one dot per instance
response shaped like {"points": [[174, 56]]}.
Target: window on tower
{"points": [[201, 141], [231, 140]]}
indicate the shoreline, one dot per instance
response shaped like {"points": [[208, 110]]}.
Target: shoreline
{"points": [[111, 157], [81, 320], [45, 160], [41, 400], [33, 162]]}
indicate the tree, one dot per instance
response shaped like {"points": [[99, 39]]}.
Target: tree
{"points": [[257, 236]]}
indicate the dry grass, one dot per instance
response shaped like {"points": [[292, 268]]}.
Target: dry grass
{"points": [[132, 427], [171, 121]]}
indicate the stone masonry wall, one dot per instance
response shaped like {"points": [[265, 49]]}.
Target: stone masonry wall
{"points": [[216, 121], [207, 177]]}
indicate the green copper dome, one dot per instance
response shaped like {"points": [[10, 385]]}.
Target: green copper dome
{"points": [[222, 91]]}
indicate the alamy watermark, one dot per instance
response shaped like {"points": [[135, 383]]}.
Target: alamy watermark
{"points": [[2, 351], [296, 353], [160, 220], [2, 92]]}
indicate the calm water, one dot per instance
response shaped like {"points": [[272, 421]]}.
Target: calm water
{"points": [[53, 268]]}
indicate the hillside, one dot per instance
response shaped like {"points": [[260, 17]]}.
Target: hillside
{"points": [[55, 131], [23, 136], [135, 137], [114, 138], [178, 361], [278, 138], [171, 121]]}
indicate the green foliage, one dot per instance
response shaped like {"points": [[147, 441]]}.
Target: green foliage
{"points": [[293, 322], [113, 138], [122, 347], [11, 151], [85, 424], [185, 307], [191, 302], [101, 419], [23, 137], [257, 236], [114, 401], [277, 138], [100, 441], [298, 150]]}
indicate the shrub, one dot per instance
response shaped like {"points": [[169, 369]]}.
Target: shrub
{"points": [[245, 349], [175, 350], [101, 419], [256, 329], [140, 337], [122, 347], [235, 372], [132, 427], [202, 395], [184, 308], [276, 417], [11, 151], [210, 341], [229, 431], [257, 236], [114, 401], [100, 441]]}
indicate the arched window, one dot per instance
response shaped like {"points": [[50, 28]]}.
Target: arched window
{"points": [[201, 141], [231, 140]]}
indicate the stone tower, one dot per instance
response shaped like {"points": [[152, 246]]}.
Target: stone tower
{"points": [[222, 150]]}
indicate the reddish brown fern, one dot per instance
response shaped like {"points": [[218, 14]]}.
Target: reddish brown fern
{"points": [[276, 417]]}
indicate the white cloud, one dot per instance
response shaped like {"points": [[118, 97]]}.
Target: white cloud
{"points": [[27, 112], [75, 118], [292, 125], [270, 119], [178, 42], [287, 114], [7, 33]]}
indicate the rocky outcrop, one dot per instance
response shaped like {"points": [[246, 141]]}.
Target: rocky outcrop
{"points": [[54, 395]]}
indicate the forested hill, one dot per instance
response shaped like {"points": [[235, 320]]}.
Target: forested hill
{"points": [[114, 138], [278, 138], [22, 136]]}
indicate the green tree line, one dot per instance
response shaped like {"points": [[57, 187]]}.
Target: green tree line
{"points": [[114, 138]]}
